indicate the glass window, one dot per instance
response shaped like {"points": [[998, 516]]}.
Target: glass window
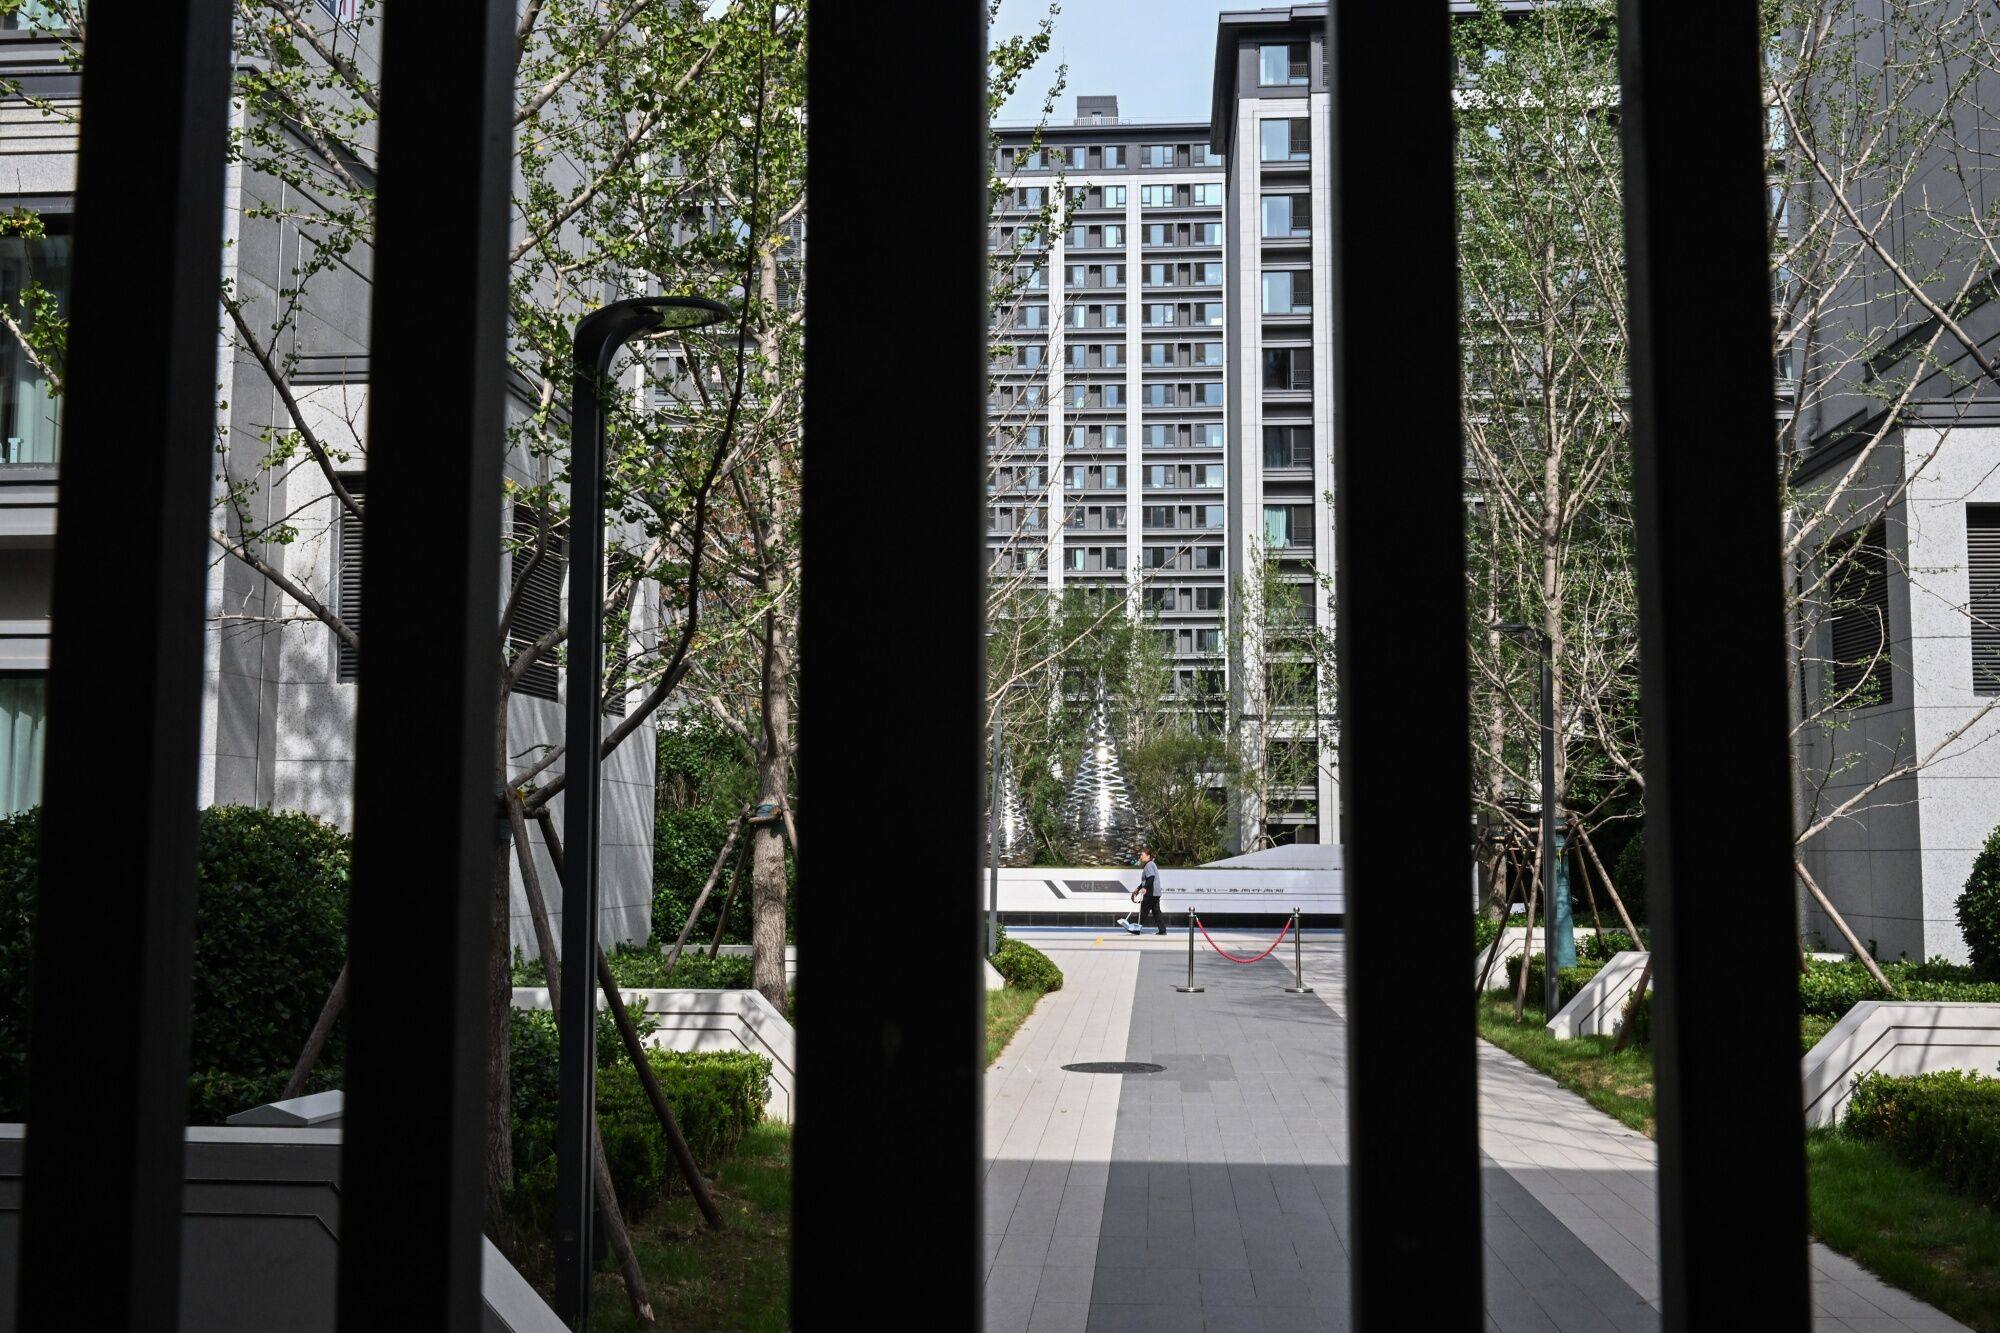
{"points": [[1159, 354], [1277, 526], [1208, 395], [1114, 316], [1156, 557], [1075, 275], [23, 715], [1114, 354], [1282, 65], [1156, 196], [1079, 316], [1114, 480], [1208, 233], [1158, 233], [1034, 316], [1208, 599], [1114, 196], [1208, 354], [1285, 141], [1159, 275], [1208, 436], [1079, 396], [1210, 641], [1159, 437], [1204, 156], [1208, 274], [1158, 155], [1073, 561], [1287, 292], [1114, 235], [1159, 475], [1075, 478], [1208, 476], [1208, 557], [1114, 557], [1159, 516], [1074, 157], [1031, 356], [1114, 155], [1208, 314], [1032, 160], [1284, 217], [1114, 395], [1079, 355], [1159, 316], [1159, 395], [1114, 438], [1208, 194], [1114, 275]]}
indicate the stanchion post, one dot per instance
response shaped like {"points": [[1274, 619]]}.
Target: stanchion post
{"points": [[1190, 988], [1298, 986]]}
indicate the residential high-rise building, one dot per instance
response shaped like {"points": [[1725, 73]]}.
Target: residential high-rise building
{"points": [[1108, 431], [1270, 117]]}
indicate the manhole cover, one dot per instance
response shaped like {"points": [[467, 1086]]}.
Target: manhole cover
{"points": [[1113, 1067]]}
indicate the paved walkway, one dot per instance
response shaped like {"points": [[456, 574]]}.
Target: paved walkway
{"points": [[1212, 1195]]}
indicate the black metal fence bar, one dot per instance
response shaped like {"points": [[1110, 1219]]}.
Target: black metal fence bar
{"points": [[1400, 571], [103, 1166], [1732, 1175], [425, 904], [890, 717]]}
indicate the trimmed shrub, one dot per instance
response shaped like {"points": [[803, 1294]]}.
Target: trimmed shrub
{"points": [[1484, 928], [1027, 968], [1569, 980], [270, 936], [704, 780], [1979, 910], [644, 967], [1831, 989], [1948, 1121], [1601, 946], [1629, 875], [716, 1097]]}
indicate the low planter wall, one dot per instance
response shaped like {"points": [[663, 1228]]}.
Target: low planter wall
{"points": [[1896, 1037], [1511, 945], [1598, 1010], [710, 1020], [745, 950], [260, 1240]]}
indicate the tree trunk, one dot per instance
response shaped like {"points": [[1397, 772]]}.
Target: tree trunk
{"points": [[336, 1000]]}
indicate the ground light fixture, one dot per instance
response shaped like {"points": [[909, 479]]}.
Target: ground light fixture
{"points": [[1555, 915], [599, 336]]}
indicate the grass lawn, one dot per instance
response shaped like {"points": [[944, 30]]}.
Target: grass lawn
{"points": [[1006, 1010], [1898, 1221], [705, 1281]]}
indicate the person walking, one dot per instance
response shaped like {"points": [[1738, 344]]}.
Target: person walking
{"points": [[1147, 895]]}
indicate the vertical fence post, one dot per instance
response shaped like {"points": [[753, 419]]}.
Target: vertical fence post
{"points": [[892, 646], [420, 923], [1400, 572], [104, 1158], [1732, 1173]]}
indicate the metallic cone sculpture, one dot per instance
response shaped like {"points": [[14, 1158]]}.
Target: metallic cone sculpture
{"points": [[1016, 841], [1098, 813]]}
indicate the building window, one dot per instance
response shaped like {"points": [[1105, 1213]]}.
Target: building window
{"points": [[1982, 551], [1208, 436], [1208, 599], [1859, 596], [1208, 476], [1285, 140], [1114, 156], [1114, 196], [1157, 155], [1287, 525], [1159, 275], [1288, 368], [1287, 446], [1208, 354], [1156, 196], [1287, 292], [1207, 194], [1201, 155], [1114, 235], [1209, 394], [538, 610], [1282, 65], [1159, 317], [1159, 395], [30, 415], [1208, 557], [348, 537], [1286, 216], [23, 716], [1208, 233], [1208, 314], [1075, 158]]}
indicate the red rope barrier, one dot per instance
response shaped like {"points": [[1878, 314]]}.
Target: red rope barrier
{"points": [[1232, 957]]}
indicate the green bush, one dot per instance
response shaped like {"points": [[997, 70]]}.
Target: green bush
{"points": [[1600, 946], [1947, 1121], [703, 782], [1979, 910], [716, 1097], [1629, 875], [1484, 928], [1831, 989], [1569, 980], [270, 936], [1027, 968], [644, 967]]}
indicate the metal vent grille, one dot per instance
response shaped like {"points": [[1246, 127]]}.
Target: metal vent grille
{"points": [[348, 544], [1860, 597], [539, 609], [1982, 558]]}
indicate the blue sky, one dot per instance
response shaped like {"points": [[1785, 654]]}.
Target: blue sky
{"points": [[1156, 55]]}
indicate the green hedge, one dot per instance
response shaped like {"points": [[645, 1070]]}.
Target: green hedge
{"points": [[1948, 1122], [1569, 980], [1027, 968], [644, 967], [716, 1097], [1629, 874], [1484, 928], [270, 936], [1831, 989]]}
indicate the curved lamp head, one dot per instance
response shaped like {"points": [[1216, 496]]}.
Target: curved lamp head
{"points": [[601, 333]]}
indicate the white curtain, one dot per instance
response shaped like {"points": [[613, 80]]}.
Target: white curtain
{"points": [[21, 720]]}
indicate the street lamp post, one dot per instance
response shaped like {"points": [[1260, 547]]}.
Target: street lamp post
{"points": [[599, 335], [1555, 915]]}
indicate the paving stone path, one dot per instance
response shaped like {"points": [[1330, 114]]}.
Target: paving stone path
{"points": [[1212, 1195]]}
